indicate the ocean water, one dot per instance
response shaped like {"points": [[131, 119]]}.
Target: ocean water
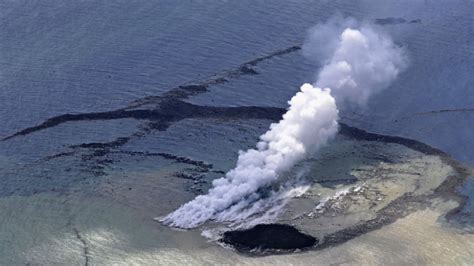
{"points": [[69, 57], [81, 56]]}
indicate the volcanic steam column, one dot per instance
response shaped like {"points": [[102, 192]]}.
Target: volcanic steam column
{"points": [[362, 61]]}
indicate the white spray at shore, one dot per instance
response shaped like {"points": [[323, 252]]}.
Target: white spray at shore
{"points": [[358, 62]]}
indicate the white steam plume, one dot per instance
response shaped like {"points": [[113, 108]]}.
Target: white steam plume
{"points": [[360, 63], [359, 60], [309, 123]]}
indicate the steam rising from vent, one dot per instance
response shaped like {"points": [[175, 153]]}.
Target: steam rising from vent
{"points": [[358, 62], [311, 121]]}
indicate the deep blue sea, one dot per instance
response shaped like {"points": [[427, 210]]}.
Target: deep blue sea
{"points": [[81, 56]]}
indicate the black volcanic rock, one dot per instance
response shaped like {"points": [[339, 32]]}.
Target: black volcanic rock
{"points": [[246, 70], [390, 21], [268, 237]]}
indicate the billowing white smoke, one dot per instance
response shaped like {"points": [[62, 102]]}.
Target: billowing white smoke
{"points": [[309, 123], [361, 62]]}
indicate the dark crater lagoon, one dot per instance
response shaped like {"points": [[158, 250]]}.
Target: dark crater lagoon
{"points": [[268, 238]]}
